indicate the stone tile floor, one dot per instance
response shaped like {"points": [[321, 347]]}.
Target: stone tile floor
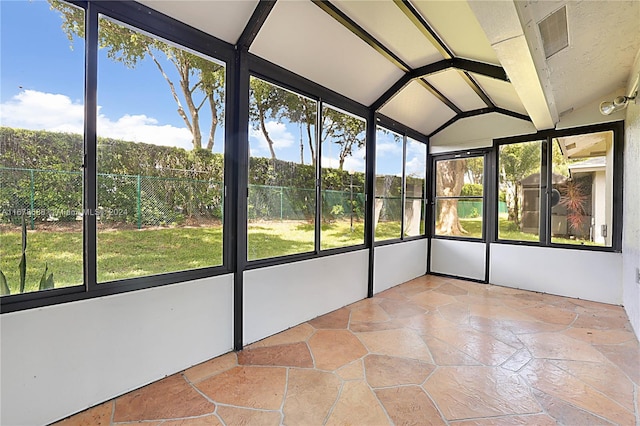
{"points": [[430, 351]]}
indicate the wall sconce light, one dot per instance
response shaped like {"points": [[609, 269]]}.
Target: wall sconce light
{"points": [[620, 102]]}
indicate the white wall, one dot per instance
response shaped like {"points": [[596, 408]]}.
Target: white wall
{"points": [[398, 263], [631, 219], [589, 275], [465, 259], [62, 359], [279, 297]]}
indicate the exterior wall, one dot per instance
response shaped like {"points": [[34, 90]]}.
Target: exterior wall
{"points": [[631, 219], [65, 358]]}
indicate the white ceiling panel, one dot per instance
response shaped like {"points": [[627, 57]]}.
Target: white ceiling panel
{"points": [[224, 19], [390, 26], [474, 132], [418, 109], [456, 24], [501, 93], [451, 84], [302, 38]]}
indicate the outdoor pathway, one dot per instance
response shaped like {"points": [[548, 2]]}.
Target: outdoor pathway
{"points": [[430, 351]]}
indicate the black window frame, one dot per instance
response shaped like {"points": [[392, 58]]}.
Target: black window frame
{"points": [[405, 132], [484, 153], [155, 24], [547, 136]]}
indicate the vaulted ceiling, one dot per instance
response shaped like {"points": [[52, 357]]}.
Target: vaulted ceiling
{"points": [[437, 66]]}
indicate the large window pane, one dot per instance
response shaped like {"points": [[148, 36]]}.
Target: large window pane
{"points": [[582, 197], [282, 176], [342, 183], [416, 174], [459, 197], [160, 172], [519, 167], [388, 190], [41, 146]]}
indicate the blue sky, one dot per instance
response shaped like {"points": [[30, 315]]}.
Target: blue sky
{"points": [[42, 81]]}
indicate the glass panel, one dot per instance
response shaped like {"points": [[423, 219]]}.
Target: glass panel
{"points": [[41, 146], [416, 172], [388, 190], [519, 167], [457, 214], [282, 175], [160, 172], [582, 195], [343, 167]]}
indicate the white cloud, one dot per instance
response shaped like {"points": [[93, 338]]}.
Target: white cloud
{"points": [[391, 148], [34, 110], [416, 166], [278, 133]]}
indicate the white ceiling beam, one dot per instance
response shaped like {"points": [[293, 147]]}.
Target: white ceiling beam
{"points": [[521, 55]]}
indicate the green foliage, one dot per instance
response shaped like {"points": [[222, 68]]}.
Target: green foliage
{"points": [[472, 190], [46, 282], [202, 82]]}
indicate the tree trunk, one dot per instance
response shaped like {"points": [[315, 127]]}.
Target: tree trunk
{"points": [[449, 181], [449, 223], [214, 122], [263, 127], [309, 134]]}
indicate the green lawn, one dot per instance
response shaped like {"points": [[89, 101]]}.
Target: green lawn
{"points": [[134, 253], [509, 231]]}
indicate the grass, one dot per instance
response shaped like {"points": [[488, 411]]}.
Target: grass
{"points": [[134, 253], [509, 231]]}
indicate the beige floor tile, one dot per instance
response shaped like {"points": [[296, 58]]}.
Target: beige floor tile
{"points": [[529, 420], [568, 414], [245, 417], [385, 371], [210, 420], [169, 398], [552, 380], [445, 354], [604, 377], [291, 355], [401, 309], [335, 320], [299, 333], [369, 314], [333, 349], [600, 337], [357, 405], [479, 346], [431, 351], [400, 343], [559, 346], [352, 371], [409, 405], [465, 392], [212, 367], [310, 396], [246, 386]]}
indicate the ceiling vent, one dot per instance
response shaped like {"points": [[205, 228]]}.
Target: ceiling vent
{"points": [[553, 30]]}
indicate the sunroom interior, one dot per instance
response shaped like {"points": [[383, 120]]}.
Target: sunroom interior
{"points": [[465, 88]]}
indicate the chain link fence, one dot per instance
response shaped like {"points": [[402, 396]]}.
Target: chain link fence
{"points": [[51, 199]]}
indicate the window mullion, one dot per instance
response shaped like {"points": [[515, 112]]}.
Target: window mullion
{"points": [[90, 147]]}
